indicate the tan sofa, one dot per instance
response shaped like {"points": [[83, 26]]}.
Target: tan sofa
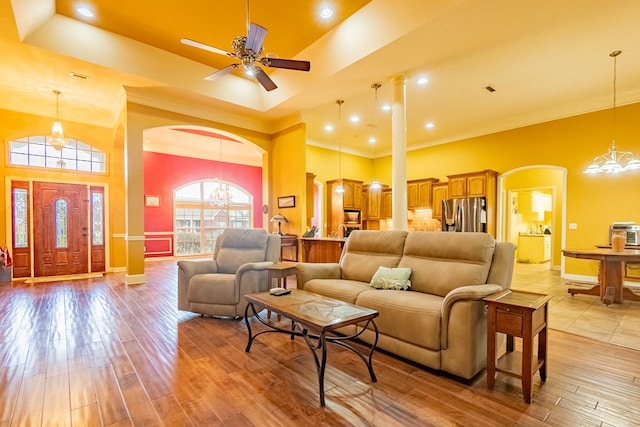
{"points": [[441, 321]]}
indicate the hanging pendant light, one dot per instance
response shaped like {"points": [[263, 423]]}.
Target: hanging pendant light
{"points": [[375, 184], [339, 188], [57, 139], [221, 195], [614, 161]]}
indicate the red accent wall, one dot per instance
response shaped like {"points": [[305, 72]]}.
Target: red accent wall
{"points": [[163, 173]]}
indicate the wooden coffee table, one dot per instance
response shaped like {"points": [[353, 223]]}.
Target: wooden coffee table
{"points": [[314, 318]]}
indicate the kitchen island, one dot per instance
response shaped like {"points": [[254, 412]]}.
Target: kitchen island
{"points": [[322, 249]]}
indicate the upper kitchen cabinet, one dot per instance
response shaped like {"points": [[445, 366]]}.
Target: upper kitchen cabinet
{"points": [[419, 193], [343, 207], [387, 203], [439, 192], [473, 184]]}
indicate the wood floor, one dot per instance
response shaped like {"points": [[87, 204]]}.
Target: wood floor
{"points": [[96, 352]]}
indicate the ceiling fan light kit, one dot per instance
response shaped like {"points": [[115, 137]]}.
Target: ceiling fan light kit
{"points": [[249, 51]]}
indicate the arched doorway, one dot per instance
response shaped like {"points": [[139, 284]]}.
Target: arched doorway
{"points": [[532, 204]]}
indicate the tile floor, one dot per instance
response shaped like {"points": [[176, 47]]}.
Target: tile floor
{"points": [[583, 315]]}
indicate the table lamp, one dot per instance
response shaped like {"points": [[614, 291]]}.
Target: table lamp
{"points": [[279, 218]]}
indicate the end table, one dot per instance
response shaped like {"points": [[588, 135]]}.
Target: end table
{"points": [[523, 315], [280, 271]]}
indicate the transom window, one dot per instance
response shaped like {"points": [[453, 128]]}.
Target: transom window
{"points": [[76, 155], [199, 222]]}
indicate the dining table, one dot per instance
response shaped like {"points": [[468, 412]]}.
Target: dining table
{"points": [[611, 286]]}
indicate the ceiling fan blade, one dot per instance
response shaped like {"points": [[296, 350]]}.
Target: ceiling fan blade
{"points": [[264, 79], [206, 47], [289, 64], [222, 72], [255, 38]]}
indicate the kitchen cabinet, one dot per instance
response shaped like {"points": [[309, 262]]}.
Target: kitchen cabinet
{"points": [[535, 202], [534, 248], [352, 194], [387, 204], [340, 205], [373, 203], [439, 192], [473, 184], [419, 193], [478, 184]]}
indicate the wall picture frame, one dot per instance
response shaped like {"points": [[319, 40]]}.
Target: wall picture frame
{"points": [[287, 202], [153, 201]]}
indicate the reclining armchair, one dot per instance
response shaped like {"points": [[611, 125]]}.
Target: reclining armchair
{"points": [[239, 266]]}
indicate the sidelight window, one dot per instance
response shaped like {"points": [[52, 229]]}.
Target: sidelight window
{"points": [[61, 224], [21, 236]]}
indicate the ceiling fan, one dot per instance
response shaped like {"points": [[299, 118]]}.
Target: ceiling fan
{"points": [[248, 49]]}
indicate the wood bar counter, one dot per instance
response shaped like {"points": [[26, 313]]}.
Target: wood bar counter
{"points": [[322, 249]]}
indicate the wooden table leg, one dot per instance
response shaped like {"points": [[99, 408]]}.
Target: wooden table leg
{"points": [[613, 276], [527, 358], [491, 347]]}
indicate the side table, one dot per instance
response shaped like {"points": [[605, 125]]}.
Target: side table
{"points": [[280, 271], [523, 315]]}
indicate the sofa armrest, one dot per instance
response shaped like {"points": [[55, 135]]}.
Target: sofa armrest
{"points": [[191, 268], [252, 266], [306, 271], [463, 293], [188, 269]]}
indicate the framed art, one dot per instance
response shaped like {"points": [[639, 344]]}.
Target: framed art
{"points": [[152, 201], [287, 202]]}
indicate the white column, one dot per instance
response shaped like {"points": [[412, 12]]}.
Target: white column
{"points": [[399, 154]]}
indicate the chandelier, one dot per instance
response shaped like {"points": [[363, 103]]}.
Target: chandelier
{"points": [[614, 161], [375, 184], [57, 139], [221, 195]]}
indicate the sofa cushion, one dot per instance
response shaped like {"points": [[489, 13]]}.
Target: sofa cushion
{"points": [[366, 250], [391, 278], [240, 246], [344, 290], [410, 316], [442, 262], [212, 288]]}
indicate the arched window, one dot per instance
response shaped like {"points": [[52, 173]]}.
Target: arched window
{"points": [[76, 155], [199, 222]]}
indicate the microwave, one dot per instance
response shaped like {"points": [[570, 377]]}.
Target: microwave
{"points": [[631, 231]]}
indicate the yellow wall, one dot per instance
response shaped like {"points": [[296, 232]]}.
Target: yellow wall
{"points": [[288, 179], [593, 202]]}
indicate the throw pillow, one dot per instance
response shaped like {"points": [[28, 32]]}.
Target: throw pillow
{"points": [[392, 278]]}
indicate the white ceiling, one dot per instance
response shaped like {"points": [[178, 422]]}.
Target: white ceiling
{"points": [[545, 59]]}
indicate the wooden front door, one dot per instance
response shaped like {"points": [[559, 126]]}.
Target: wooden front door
{"points": [[60, 225]]}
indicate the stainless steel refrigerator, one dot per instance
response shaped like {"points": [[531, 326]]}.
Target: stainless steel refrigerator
{"points": [[469, 214]]}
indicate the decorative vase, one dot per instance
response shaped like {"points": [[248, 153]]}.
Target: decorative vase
{"points": [[618, 241]]}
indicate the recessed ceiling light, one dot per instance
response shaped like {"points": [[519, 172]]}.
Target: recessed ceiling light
{"points": [[386, 107], [423, 81], [354, 119], [326, 12], [85, 11], [429, 125], [372, 140], [328, 128]]}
